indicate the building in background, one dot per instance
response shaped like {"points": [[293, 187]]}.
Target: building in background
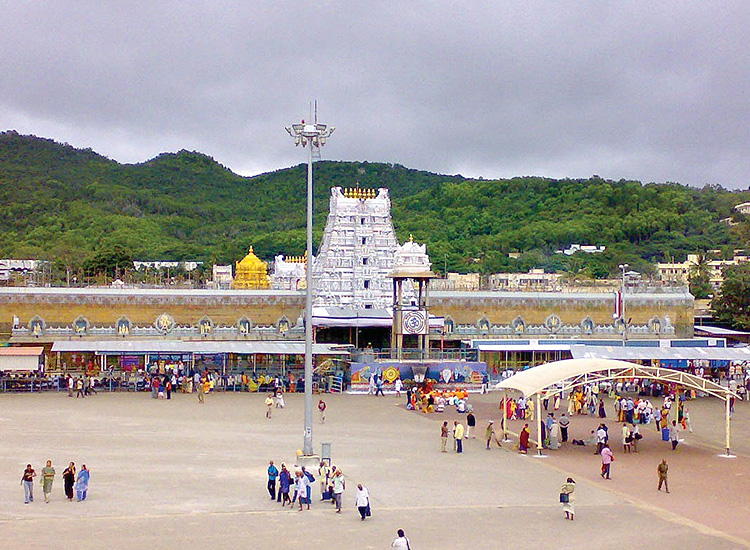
{"points": [[221, 277], [585, 248], [289, 273], [187, 266], [458, 281], [25, 268], [680, 272], [535, 280]]}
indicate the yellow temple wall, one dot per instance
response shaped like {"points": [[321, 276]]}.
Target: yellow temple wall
{"points": [[60, 307]]}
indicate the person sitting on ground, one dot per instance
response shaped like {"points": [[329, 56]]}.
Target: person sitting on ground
{"points": [[440, 404]]}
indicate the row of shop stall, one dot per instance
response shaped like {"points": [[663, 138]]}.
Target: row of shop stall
{"points": [[121, 365]]}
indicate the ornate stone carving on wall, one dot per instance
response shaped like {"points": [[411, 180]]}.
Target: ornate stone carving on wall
{"points": [[81, 326], [164, 323], [123, 326], [553, 323], [448, 324], [205, 325], [483, 324], [654, 325], [244, 326], [519, 325], [587, 325], [282, 325], [37, 326]]}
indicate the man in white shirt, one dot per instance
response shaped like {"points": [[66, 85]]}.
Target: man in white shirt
{"points": [[302, 484], [601, 439], [362, 501], [401, 542]]}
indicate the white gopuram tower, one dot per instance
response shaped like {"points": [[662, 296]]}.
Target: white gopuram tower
{"points": [[357, 252]]}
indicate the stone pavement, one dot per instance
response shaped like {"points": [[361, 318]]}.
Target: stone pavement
{"points": [[176, 474]]}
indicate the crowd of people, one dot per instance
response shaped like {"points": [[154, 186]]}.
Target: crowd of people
{"points": [[289, 488], [428, 400], [80, 385], [294, 488], [74, 484], [181, 377]]}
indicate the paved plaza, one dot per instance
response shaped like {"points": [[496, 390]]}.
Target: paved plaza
{"points": [[176, 474]]}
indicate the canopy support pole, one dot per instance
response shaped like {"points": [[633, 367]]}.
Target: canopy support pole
{"points": [[728, 421], [505, 416], [538, 411]]}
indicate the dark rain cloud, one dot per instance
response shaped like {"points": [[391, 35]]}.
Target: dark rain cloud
{"points": [[649, 91]]}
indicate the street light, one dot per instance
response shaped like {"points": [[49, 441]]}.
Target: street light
{"points": [[625, 274], [623, 269], [314, 135]]}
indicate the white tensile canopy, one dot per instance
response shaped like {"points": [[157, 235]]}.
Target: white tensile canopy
{"points": [[559, 376]]}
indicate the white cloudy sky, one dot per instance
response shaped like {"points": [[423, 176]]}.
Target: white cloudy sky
{"points": [[655, 91]]}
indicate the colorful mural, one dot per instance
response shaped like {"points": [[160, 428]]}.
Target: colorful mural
{"points": [[459, 372]]}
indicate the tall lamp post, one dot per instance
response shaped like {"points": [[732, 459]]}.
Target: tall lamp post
{"points": [[314, 135], [625, 276], [623, 269]]}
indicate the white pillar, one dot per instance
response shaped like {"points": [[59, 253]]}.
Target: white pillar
{"points": [[505, 415], [538, 411], [728, 422]]}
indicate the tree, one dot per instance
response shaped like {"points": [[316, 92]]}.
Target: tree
{"points": [[110, 261], [700, 279], [732, 306]]}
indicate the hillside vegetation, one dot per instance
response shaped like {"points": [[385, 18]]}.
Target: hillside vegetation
{"points": [[82, 209]]}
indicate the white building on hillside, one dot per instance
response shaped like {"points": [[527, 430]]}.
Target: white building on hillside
{"points": [[680, 272]]}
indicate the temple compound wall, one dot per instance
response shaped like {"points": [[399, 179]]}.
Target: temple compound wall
{"points": [[650, 314], [269, 313]]}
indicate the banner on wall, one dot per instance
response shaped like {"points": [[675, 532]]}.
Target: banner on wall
{"points": [[129, 362], [459, 372]]}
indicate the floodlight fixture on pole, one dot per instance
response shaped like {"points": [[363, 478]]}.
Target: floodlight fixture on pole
{"points": [[314, 135]]}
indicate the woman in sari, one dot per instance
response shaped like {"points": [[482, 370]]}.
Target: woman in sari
{"points": [[69, 479], [82, 484], [579, 402], [508, 410], [48, 476], [285, 481], [523, 439], [568, 488]]}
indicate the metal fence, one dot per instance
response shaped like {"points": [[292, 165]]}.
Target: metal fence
{"points": [[414, 354], [226, 383]]}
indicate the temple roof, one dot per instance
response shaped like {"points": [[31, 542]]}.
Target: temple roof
{"points": [[251, 262]]}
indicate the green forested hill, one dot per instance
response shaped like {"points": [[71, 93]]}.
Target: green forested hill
{"points": [[77, 207]]}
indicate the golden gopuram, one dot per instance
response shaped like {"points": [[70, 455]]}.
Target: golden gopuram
{"points": [[251, 273]]}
